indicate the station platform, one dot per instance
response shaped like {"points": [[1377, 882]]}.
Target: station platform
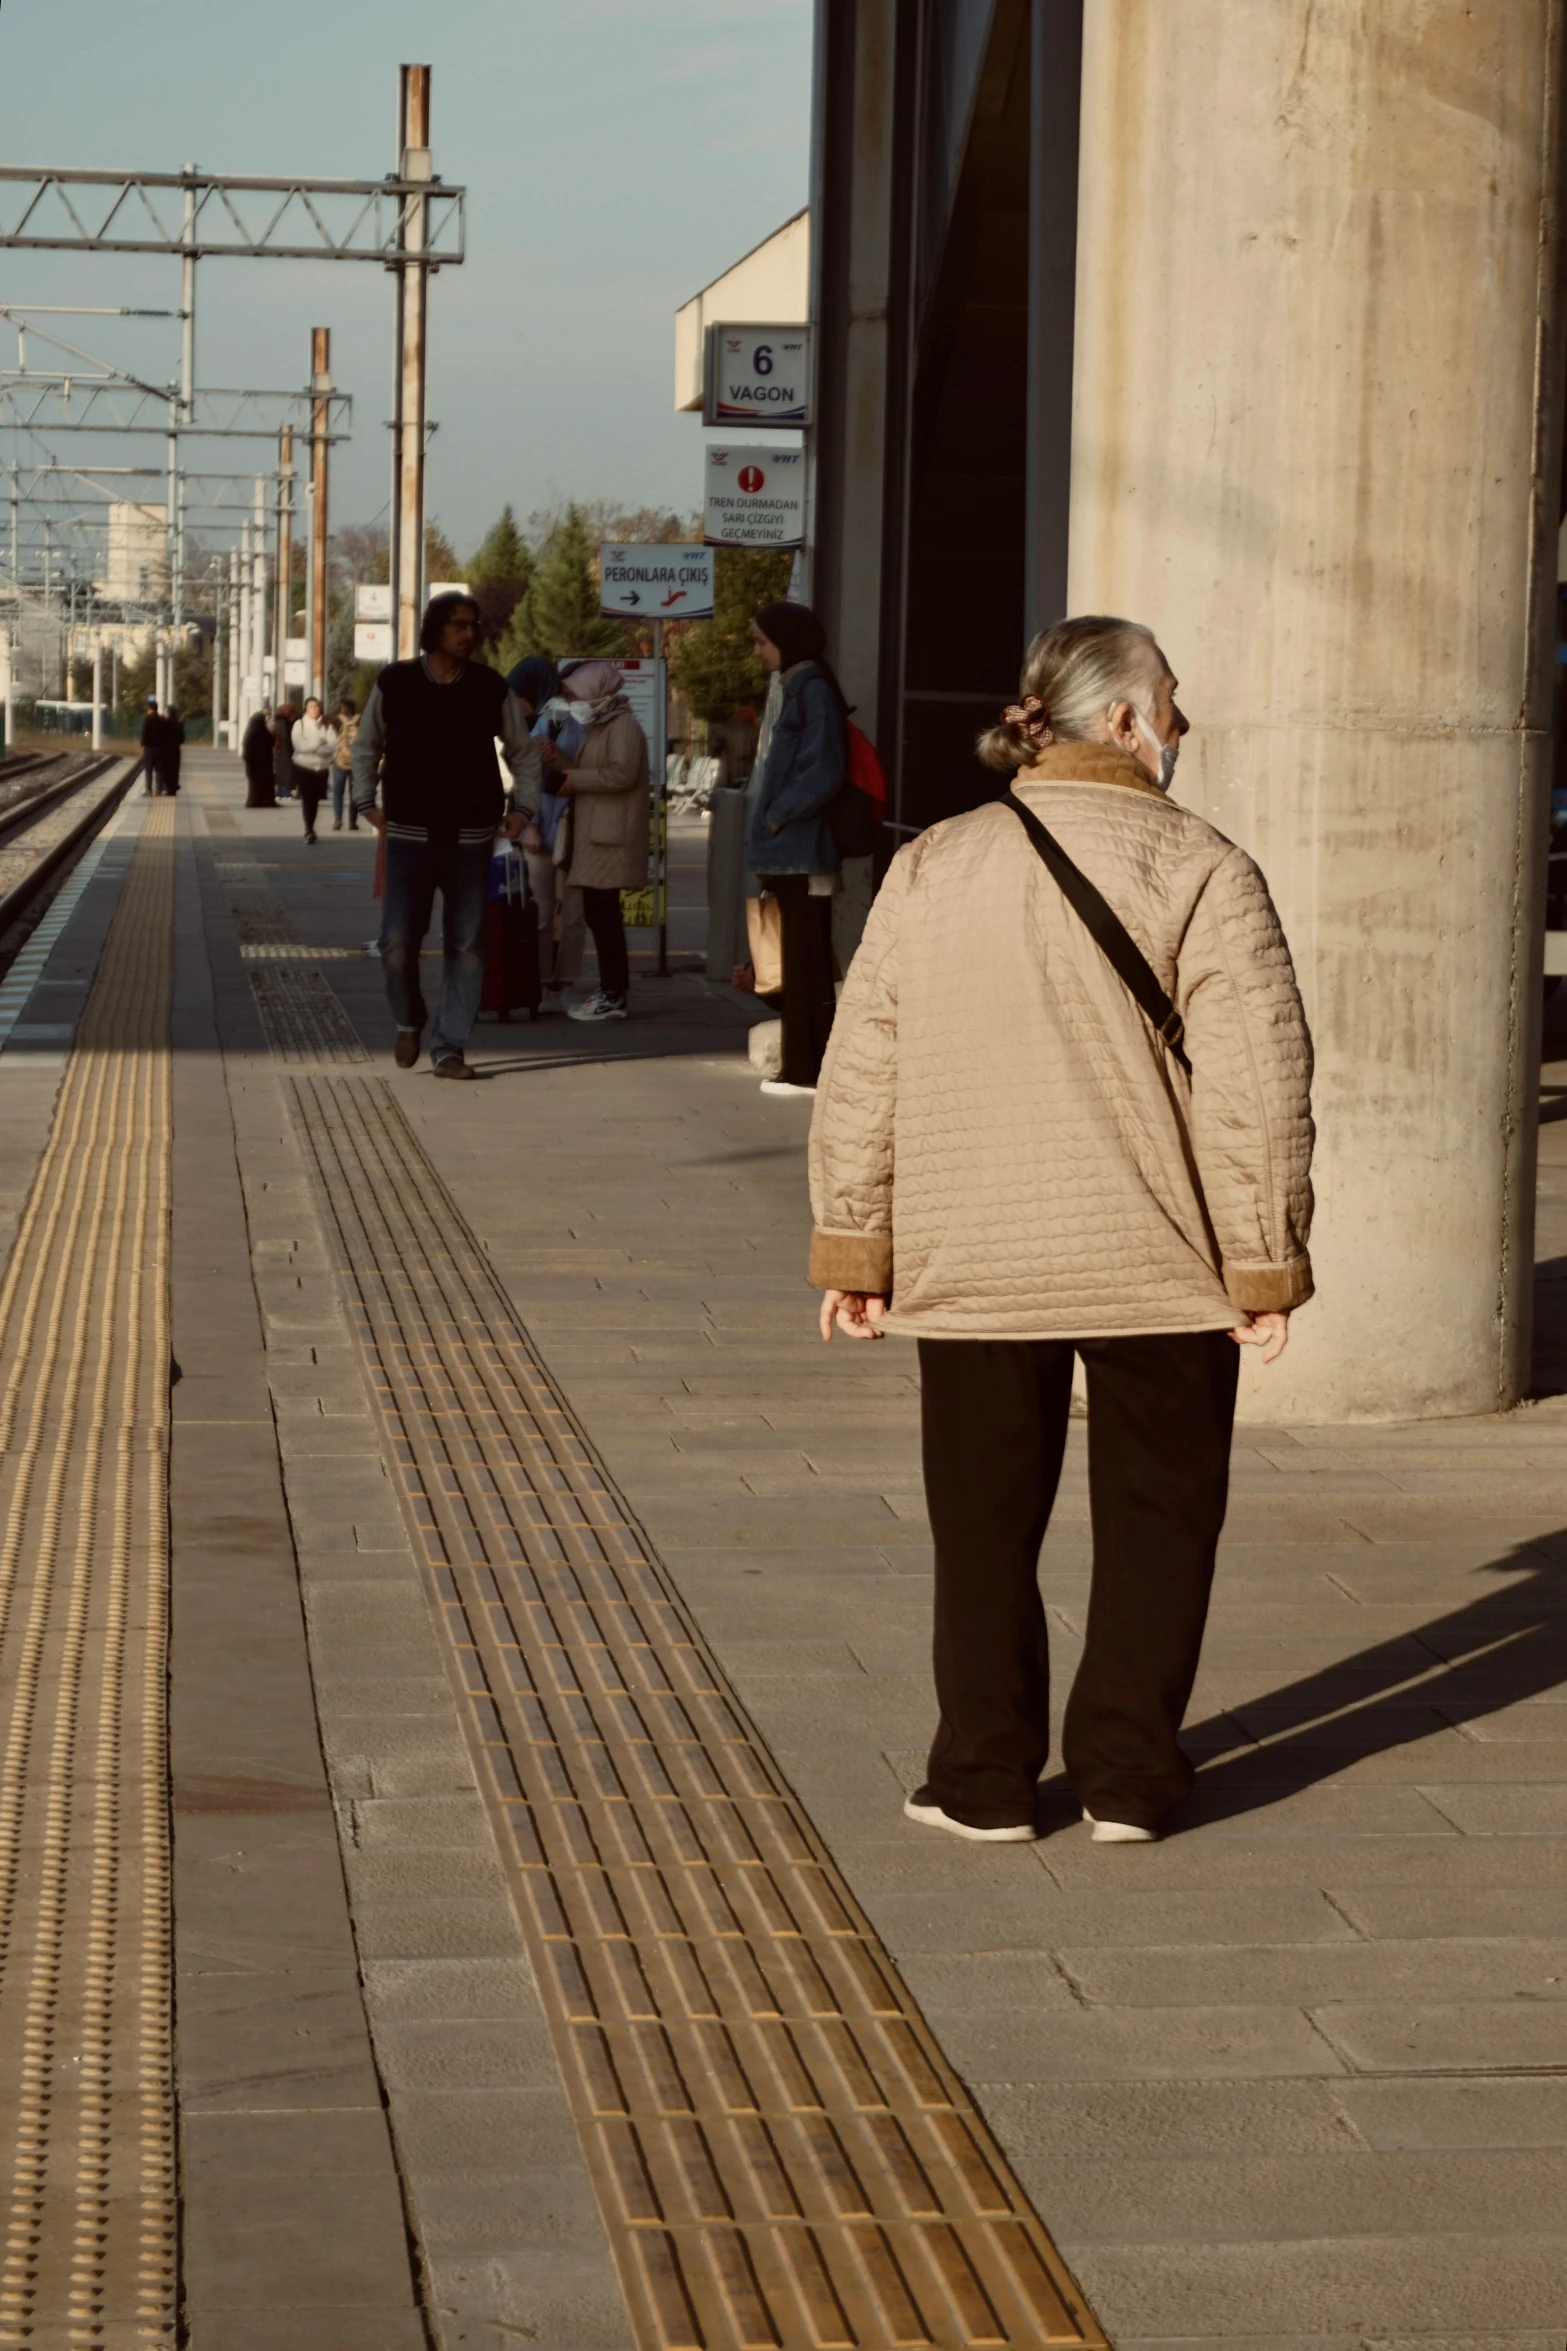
{"points": [[463, 1647]]}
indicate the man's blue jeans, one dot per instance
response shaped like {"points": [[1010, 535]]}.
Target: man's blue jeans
{"points": [[415, 870]]}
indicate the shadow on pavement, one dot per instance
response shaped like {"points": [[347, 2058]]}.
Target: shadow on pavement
{"points": [[1503, 1648]]}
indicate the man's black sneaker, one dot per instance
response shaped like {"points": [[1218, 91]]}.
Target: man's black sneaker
{"points": [[406, 1050], [452, 1065], [922, 1806]]}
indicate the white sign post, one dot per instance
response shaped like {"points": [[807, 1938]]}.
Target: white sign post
{"points": [[755, 498], [758, 376], [373, 600], [372, 640], [656, 583]]}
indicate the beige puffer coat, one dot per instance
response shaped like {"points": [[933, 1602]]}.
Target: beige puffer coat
{"points": [[1000, 1140], [609, 808]]}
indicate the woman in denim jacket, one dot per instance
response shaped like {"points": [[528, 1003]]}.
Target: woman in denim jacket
{"points": [[789, 844]]}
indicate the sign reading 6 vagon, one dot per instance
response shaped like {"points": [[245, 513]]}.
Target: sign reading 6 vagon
{"points": [[758, 375]]}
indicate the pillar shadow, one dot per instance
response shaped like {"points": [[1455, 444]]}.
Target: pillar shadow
{"points": [[1503, 1647]]}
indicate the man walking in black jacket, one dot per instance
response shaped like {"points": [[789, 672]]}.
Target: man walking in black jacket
{"points": [[429, 732]]}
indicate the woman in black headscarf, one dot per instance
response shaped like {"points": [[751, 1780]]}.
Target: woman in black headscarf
{"points": [[789, 844]]}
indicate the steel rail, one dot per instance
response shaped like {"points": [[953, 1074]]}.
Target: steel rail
{"points": [[19, 897]]}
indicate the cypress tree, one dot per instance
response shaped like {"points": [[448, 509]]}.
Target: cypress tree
{"points": [[559, 615]]}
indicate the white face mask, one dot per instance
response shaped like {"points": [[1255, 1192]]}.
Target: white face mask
{"points": [[1169, 753], [559, 707]]}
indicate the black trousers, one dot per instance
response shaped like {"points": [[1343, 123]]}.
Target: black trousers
{"points": [[994, 1422], [602, 912], [808, 1000], [311, 784]]}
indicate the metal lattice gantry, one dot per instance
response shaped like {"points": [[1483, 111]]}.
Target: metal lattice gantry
{"points": [[411, 223], [86, 404], [206, 214]]}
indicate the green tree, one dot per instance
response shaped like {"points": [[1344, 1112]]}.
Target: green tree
{"points": [[713, 664], [503, 554], [440, 556], [559, 615], [499, 574]]}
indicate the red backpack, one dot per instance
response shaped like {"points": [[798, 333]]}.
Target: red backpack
{"points": [[856, 809]]}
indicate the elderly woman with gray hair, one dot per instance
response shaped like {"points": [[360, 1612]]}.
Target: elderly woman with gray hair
{"points": [[1065, 1110]]}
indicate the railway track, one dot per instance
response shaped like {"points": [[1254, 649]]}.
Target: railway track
{"points": [[53, 805]]}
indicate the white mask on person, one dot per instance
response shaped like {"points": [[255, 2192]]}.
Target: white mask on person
{"points": [[1168, 753]]}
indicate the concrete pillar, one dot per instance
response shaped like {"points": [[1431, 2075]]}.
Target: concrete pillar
{"points": [[853, 268], [1316, 439]]}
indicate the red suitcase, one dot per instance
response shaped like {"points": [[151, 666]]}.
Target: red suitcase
{"points": [[513, 977]]}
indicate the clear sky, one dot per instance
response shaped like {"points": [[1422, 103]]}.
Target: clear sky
{"points": [[618, 155]]}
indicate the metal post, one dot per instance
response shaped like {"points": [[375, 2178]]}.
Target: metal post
{"points": [[661, 796], [97, 689], [245, 630], [114, 675], [219, 666], [414, 272], [320, 385], [284, 594], [12, 640], [258, 593], [236, 608]]}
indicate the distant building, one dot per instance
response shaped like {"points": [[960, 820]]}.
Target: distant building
{"points": [[136, 562]]}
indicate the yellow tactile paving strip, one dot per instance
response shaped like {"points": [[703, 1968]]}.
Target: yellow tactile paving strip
{"points": [[782, 2155], [86, 2082]]}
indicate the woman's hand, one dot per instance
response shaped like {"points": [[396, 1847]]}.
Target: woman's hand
{"points": [[552, 755], [1270, 1332], [857, 1313]]}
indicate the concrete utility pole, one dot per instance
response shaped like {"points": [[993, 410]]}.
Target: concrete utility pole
{"points": [[316, 598], [236, 612], [283, 595], [408, 425], [1340, 517]]}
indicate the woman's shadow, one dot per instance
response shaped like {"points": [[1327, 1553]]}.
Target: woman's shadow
{"points": [[1506, 1645]]}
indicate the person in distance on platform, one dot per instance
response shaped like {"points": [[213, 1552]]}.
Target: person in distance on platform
{"points": [[1019, 1152], [173, 747], [789, 844], [256, 752], [606, 784], [153, 728], [283, 750], [428, 736], [312, 743], [343, 766], [536, 683]]}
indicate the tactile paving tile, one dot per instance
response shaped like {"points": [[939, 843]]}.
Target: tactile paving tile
{"points": [[300, 1014], [302, 1018], [87, 2183], [783, 2156]]}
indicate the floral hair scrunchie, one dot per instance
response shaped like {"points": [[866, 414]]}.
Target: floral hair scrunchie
{"points": [[1031, 719]]}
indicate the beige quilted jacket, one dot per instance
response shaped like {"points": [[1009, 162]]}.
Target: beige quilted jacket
{"points": [[1001, 1142]]}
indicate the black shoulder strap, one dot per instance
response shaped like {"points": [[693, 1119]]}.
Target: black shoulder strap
{"points": [[1121, 951]]}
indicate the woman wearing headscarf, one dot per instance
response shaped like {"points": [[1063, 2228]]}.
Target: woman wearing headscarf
{"points": [[606, 784], [536, 682], [789, 844]]}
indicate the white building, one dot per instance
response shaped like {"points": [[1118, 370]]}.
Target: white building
{"points": [[769, 286]]}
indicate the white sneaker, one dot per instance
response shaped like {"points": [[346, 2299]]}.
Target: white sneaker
{"points": [[1119, 1832], [782, 1086], [922, 1806], [600, 1007]]}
